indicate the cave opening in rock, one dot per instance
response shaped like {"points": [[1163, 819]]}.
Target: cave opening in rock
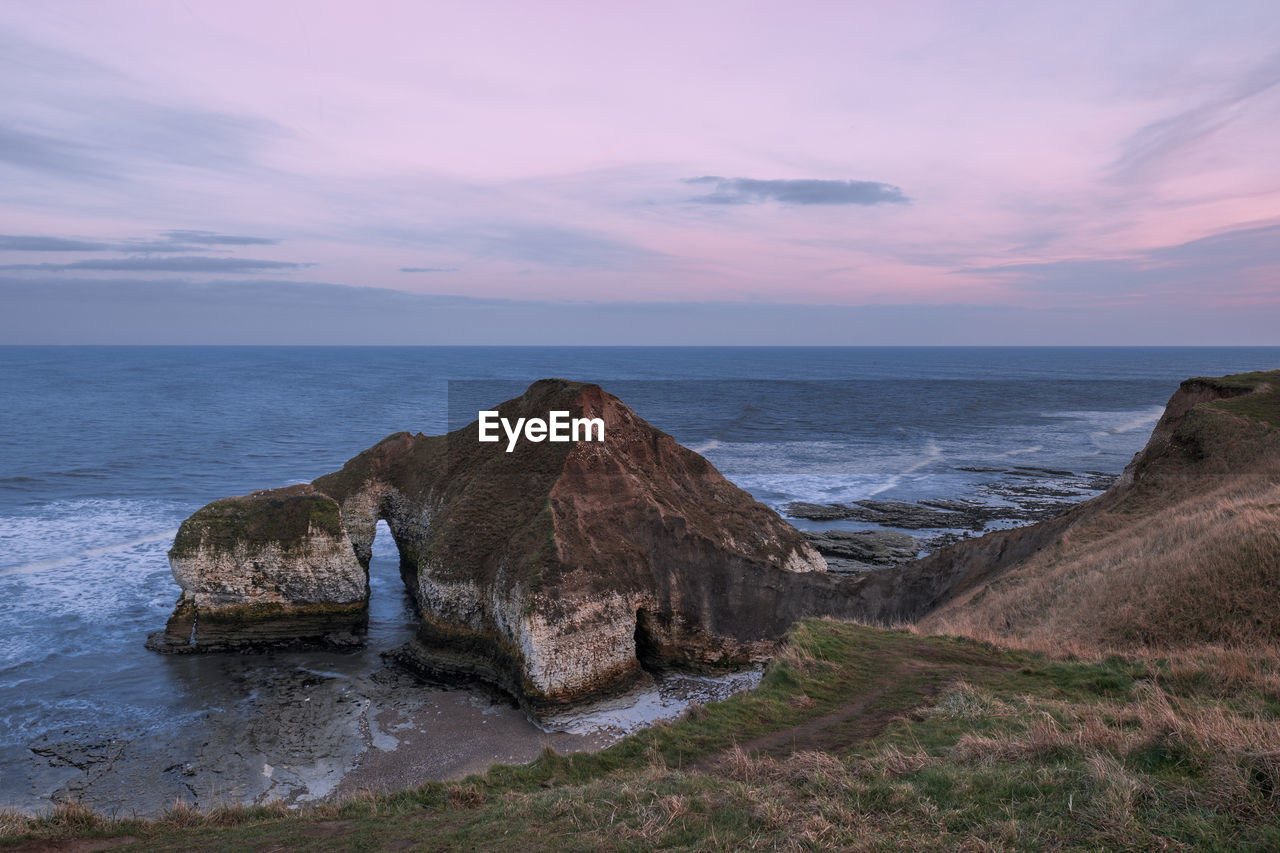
{"points": [[392, 613], [647, 650]]}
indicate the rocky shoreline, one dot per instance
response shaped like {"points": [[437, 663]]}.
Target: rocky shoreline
{"points": [[1022, 495], [501, 555], [305, 726], [302, 725], [562, 573]]}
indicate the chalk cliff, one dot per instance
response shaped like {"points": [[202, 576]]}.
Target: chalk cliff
{"points": [[271, 566], [558, 571]]}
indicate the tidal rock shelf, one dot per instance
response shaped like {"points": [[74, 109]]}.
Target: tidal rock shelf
{"points": [[1022, 495], [560, 572], [852, 551]]}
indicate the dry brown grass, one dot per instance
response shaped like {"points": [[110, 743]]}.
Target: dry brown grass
{"points": [[797, 658], [1149, 575], [1238, 752], [966, 702], [1183, 553], [466, 795]]}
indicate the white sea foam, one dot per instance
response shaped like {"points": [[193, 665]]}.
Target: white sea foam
{"points": [[81, 529], [76, 561], [666, 700], [821, 471], [780, 489], [1035, 448], [932, 453], [60, 562], [1143, 420], [1113, 422]]}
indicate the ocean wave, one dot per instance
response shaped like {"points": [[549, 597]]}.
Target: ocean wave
{"points": [[776, 490], [101, 551], [60, 533], [1113, 422]]}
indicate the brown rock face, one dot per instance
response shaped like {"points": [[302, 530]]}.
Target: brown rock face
{"points": [[555, 570], [558, 570]]}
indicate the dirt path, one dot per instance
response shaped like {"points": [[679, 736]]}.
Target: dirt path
{"points": [[850, 723], [863, 717]]}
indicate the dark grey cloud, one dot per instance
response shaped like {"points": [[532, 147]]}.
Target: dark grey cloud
{"points": [[1156, 143], [33, 243], [170, 242], [190, 264], [795, 191], [213, 238], [193, 241], [428, 269]]}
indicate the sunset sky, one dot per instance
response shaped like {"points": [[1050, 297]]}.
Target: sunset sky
{"points": [[693, 172]]}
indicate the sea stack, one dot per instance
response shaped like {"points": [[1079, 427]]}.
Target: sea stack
{"points": [[556, 570], [268, 567]]}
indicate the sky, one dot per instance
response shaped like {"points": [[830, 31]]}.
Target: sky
{"points": [[826, 173]]}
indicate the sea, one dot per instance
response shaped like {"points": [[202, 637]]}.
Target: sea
{"points": [[104, 450]]}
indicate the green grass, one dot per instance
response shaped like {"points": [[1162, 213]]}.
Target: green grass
{"points": [[1259, 407], [1237, 381], [1248, 403], [946, 744], [279, 515]]}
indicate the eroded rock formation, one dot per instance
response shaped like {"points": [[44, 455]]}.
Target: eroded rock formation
{"points": [[556, 570], [272, 566]]}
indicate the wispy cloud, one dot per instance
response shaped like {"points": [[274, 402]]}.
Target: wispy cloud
{"points": [[428, 269], [192, 241], [71, 118], [169, 242], [190, 264], [213, 238], [524, 242], [1153, 145], [35, 243], [795, 191], [1210, 266], [48, 154]]}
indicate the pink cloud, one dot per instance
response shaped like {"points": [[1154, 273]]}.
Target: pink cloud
{"points": [[541, 150]]}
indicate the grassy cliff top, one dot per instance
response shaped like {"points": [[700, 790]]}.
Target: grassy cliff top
{"points": [[858, 738], [1253, 395], [278, 515], [1238, 381]]}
